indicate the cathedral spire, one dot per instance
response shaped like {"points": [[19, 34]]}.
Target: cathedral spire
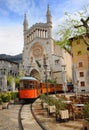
{"points": [[48, 15], [25, 24], [49, 22]]}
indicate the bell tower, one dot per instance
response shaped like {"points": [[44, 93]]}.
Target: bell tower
{"points": [[25, 23], [49, 22]]}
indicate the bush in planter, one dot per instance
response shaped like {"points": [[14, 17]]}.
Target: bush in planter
{"points": [[43, 97], [86, 116], [13, 95], [86, 111], [50, 101], [5, 97], [0, 101], [43, 100], [61, 111], [51, 105], [60, 105]]}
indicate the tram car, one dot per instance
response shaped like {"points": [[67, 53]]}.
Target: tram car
{"points": [[31, 88]]}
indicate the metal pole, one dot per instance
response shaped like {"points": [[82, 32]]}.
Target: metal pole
{"points": [[46, 79], [45, 67]]}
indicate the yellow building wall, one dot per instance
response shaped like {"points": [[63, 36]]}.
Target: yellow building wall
{"points": [[80, 54]]}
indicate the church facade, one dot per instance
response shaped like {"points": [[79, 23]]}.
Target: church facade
{"points": [[42, 57]]}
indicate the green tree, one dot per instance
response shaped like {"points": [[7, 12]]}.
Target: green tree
{"points": [[67, 28], [16, 79], [9, 80]]}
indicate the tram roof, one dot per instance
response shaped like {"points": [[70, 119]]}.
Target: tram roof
{"points": [[28, 78]]}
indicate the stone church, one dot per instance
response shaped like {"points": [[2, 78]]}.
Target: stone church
{"points": [[42, 57]]}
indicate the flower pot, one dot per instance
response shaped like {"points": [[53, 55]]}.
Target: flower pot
{"points": [[0, 107], [52, 109], [45, 105], [12, 101], [64, 114], [5, 105]]}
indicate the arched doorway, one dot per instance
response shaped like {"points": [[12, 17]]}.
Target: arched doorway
{"points": [[36, 74]]}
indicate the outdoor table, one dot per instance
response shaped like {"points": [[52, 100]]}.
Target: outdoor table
{"points": [[67, 102], [79, 105]]}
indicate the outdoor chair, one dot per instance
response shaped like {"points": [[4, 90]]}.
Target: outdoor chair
{"points": [[76, 112]]}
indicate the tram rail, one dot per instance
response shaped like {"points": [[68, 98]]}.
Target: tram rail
{"points": [[20, 119], [26, 111]]}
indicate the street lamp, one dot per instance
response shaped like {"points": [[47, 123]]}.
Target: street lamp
{"points": [[28, 69], [45, 67], [64, 78]]}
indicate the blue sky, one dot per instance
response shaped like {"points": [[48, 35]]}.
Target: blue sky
{"points": [[12, 15]]}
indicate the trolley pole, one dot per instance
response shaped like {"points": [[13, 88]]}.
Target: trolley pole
{"points": [[45, 67]]}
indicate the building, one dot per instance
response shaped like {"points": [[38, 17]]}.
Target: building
{"points": [[42, 57], [7, 67], [80, 59]]}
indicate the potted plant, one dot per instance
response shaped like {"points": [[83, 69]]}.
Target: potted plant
{"points": [[43, 98], [61, 111], [14, 95], [6, 99], [86, 115], [51, 105], [0, 103]]}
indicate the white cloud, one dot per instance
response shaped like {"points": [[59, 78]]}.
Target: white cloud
{"points": [[20, 6], [11, 37], [11, 40]]}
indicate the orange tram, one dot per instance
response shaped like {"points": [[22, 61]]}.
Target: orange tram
{"points": [[31, 88]]}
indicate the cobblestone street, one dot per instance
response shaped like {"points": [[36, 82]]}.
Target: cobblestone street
{"points": [[9, 118]]}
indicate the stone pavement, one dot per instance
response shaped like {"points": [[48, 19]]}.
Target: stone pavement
{"points": [[9, 118], [50, 123], [28, 121]]}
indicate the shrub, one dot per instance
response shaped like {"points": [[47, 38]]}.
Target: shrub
{"points": [[43, 97], [60, 105], [86, 110], [13, 95], [50, 101], [0, 101], [5, 97]]}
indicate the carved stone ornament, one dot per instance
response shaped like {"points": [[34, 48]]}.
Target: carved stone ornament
{"points": [[37, 50]]}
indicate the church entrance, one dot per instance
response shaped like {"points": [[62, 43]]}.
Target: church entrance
{"points": [[36, 74]]}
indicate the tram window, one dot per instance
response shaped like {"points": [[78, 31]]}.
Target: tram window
{"points": [[31, 86], [25, 85], [21, 84]]}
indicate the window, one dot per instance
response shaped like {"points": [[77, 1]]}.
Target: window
{"points": [[80, 64], [25, 85], [81, 74], [21, 85], [56, 62], [0, 81], [82, 83]]}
